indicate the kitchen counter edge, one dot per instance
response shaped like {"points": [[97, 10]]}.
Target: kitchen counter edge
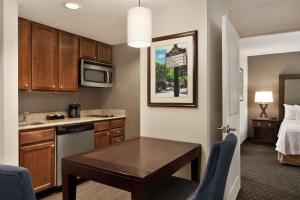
{"points": [[67, 121]]}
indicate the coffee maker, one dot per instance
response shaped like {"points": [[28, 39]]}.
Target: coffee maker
{"points": [[74, 110]]}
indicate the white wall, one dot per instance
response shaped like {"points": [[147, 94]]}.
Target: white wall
{"points": [[187, 124], [270, 44], [9, 82], [182, 124]]}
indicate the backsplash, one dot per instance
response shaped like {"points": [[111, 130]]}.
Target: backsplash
{"points": [[35, 102]]}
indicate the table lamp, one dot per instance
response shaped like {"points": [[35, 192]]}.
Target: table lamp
{"points": [[263, 98]]}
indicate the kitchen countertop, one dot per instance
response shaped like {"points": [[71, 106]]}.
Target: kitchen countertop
{"points": [[58, 122]]}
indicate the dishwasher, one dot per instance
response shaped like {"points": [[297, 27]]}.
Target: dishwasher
{"points": [[72, 139]]}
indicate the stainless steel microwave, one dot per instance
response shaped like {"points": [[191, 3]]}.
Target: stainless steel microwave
{"points": [[95, 74]]}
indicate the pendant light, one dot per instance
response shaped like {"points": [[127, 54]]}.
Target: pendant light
{"points": [[139, 27]]}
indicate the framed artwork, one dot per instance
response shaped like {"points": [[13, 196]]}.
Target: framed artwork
{"points": [[172, 71], [241, 84]]}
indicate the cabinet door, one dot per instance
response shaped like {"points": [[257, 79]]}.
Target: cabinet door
{"points": [[39, 160], [88, 48], [24, 29], [104, 52], [68, 62], [44, 57], [116, 140], [102, 139]]}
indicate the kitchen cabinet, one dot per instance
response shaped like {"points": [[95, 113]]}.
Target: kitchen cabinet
{"points": [[88, 48], [104, 53], [102, 139], [24, 29], [44, 57], [37, 154], [68, 62], [109, 132], [48, 58], [116, 140]]}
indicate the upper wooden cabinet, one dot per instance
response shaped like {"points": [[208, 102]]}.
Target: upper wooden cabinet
{"points": [[24, 54], [44, 57], [88, 48], [48, 58], [104, 53], [68, 62]]}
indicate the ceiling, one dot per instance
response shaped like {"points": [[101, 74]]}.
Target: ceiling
{"points": [[239, 4], [260, 17], [105, 20]]}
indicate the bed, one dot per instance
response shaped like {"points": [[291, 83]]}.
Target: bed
{"points": [[288, 143]]}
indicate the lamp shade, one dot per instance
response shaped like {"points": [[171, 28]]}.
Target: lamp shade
{"points": [[264, 97], [139, 27]]}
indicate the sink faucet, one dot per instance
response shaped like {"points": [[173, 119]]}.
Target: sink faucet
{"points": [[24, 116]]}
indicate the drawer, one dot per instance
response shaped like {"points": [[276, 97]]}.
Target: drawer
{"points": [[117, 132], [116, 140], [102, 126], [264, 124], [36, 136], [117, 123]]}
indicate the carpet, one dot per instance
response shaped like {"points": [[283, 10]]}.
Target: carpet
{"points": [[264, 178]]}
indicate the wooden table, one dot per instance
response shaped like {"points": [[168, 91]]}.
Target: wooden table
{"points": [[137, 165]]}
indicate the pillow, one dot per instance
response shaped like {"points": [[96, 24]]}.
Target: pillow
{"points": [[289, 112], [297, 111]]}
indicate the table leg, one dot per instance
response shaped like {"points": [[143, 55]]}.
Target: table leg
{"points": [[69, 187], [195, 169]]}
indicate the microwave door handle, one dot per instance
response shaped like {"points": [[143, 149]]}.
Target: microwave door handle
{"points": [[107, 73]]}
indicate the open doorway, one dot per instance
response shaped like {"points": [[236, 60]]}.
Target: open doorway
{"points": [[267, 60]]}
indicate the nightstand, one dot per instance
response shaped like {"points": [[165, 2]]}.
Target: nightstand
{"points": [[265, 131]]}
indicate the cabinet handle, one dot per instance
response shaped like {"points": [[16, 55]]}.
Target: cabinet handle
{"points": [[61, 86], [52, 145], [26, 85], [269, 124], [54, 86]]}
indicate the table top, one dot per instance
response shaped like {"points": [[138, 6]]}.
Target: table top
{"points": [[137, 158]]}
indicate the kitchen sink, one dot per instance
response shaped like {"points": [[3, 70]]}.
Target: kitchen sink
{"points": [[30, 123]]}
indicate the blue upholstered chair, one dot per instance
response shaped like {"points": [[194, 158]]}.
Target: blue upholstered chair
{"points": [[214, 181], [15, 183]]}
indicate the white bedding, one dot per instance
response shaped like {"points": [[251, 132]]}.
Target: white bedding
{"points": [[288, 142]]}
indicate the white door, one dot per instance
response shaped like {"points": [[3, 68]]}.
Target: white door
{"points": [[231, 102]]}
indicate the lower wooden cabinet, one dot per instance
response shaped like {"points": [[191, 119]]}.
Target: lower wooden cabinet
{"points": [[37, 149], [102, 139], [109, 132], [116, 140], [38, 156]]}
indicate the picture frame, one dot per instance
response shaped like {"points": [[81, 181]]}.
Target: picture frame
{"points": [[173, 71], [241, 84]]}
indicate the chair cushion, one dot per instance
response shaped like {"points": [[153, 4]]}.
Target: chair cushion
{"points": [[174, 189], [15, 183]]}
